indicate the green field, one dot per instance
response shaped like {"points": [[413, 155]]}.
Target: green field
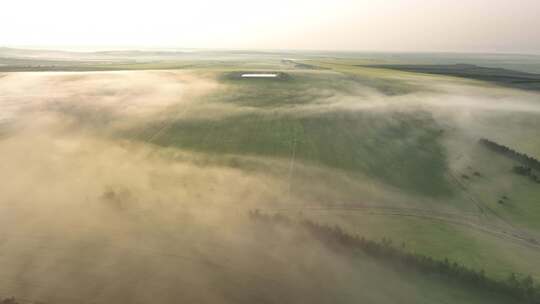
{"points": [[156, 162]]}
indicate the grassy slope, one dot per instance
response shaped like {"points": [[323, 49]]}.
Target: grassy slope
{"points": [[497, 180], [404, 150], [389, 147], [339, 140], [262, 265], [386, 146], [350, 143], [318, 278]]}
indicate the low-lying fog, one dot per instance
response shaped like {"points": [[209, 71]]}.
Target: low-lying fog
{"points": [[88, 217]]}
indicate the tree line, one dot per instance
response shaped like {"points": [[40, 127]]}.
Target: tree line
{"points": [[9, 301], [12, 300], [522, 288], [523, 158], [526, 171]]}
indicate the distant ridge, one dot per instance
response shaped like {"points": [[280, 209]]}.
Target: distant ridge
{"points": [[500, 76]]}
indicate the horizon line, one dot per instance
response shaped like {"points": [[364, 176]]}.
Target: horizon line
{"points": [[118, 48]]}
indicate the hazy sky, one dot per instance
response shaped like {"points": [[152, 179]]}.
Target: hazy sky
{"points": [[382, 25]]}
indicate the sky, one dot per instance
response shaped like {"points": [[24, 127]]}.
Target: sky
{"points": [[347, 25]]}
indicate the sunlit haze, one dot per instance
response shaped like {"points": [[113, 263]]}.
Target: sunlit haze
{"points": [[280, 151], [396, 25]]}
